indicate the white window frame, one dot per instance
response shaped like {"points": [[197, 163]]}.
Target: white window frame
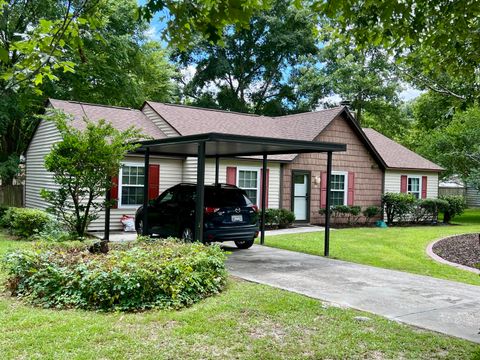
{"points": [[345, 189], [419, 185], [250, 168], [120, 185]]}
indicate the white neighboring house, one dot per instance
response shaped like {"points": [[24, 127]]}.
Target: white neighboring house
{"points": [[372, 165], [405, 171]]}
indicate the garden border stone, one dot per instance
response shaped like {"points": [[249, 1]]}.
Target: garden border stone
{"points": [[429, 251]]}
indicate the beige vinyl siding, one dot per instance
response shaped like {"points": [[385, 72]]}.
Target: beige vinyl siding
{"points": [[37, 177], [159, 121], [393, 178], [190, 174], [170, 175]]}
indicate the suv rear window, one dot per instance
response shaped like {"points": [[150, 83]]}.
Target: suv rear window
{"points": [[226, 197]]}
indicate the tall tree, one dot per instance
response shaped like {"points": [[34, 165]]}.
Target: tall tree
{"points": [[457, 146], [430, 39], [250, 71], [115, 63], [364, 78], [119, 66]]}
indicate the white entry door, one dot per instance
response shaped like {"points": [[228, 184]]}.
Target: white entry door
{"points": [[300, 195]]}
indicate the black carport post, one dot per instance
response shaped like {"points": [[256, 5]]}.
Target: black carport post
{"points": [[264, 198], [145, 192], [327, 205], [199, 203], [108, 198], [217, 169]]}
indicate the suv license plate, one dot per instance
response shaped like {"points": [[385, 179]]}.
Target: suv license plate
{"points": [[237, 218]]}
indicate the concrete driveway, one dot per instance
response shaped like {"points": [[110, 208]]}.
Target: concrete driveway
{"points": [[440, 305]]}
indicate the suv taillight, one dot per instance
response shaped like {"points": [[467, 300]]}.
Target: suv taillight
{"points": [[211, 210], [255, 208]]}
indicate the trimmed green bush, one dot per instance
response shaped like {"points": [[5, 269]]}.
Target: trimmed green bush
{"points": [[281, 218], [455, 205], [3, 210], [426, 210], [131, 277], [397, 206], [370, 212], [24, 222]]}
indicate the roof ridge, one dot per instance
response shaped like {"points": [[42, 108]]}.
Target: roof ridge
{"points": [[208, 109], [93, 104], [308, 112]]}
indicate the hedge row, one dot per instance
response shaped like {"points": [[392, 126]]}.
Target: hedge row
{"points": [[406, 208]]}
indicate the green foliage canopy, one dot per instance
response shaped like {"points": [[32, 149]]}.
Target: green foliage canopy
{"points": [[249, 72], [83, 163]]}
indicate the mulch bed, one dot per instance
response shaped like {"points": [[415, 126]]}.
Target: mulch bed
{"points": [[460, 249]]}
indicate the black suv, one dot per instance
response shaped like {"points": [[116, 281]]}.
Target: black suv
{"points": [[229, 214]]}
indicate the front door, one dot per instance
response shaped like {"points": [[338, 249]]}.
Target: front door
{"points": [[300, 191]]}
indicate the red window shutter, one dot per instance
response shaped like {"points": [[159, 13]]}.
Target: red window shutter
{"points": [[114, 192], [323, 189], [424, 187], [266, 187], [403, 184], [351, 189], [231, 175], [153, 181]]}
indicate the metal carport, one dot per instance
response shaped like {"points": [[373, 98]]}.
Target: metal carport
{"points": [[217, 145]]}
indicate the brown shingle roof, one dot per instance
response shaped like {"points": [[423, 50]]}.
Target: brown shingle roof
{"points": [[397, 156], [120, 118], [188, 120]]}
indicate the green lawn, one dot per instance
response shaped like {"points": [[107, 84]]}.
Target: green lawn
{"points": [[246, 321], [400, 248]]}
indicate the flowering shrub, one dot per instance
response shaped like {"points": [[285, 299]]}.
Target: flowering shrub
{"points": [[131, 277]]}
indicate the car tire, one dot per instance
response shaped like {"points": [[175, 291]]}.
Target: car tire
{"points": [[139, 226], [244, 244], [187, 235]]}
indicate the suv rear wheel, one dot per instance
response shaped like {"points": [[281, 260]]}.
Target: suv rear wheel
{"points": [[244, 244], [187, 234]]}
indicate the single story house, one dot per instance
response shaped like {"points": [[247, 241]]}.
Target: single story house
{"points": [[372, 165]]}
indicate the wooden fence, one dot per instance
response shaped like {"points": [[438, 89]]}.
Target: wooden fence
{"points": [[451, 191], [11, 195]]}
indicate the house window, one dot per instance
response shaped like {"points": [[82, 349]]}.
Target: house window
{"points": [[131, 185], [248, 181], [414, 186], [338, 190]]}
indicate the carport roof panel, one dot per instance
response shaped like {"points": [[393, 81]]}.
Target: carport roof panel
{"points": [[226, 145]]}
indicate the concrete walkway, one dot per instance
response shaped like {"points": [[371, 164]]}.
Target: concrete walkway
{"points": [[440, 305]]}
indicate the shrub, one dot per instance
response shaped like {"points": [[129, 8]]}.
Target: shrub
{"points": [[427, 209], [25, 222], [285, 218], [281, 218], [371, 212], [3, 210], [354, 214], [134, 276], [397, 206], [454, 205]]}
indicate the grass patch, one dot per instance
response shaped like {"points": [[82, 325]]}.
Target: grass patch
{"points": [[247, 321], [399, 248]]}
